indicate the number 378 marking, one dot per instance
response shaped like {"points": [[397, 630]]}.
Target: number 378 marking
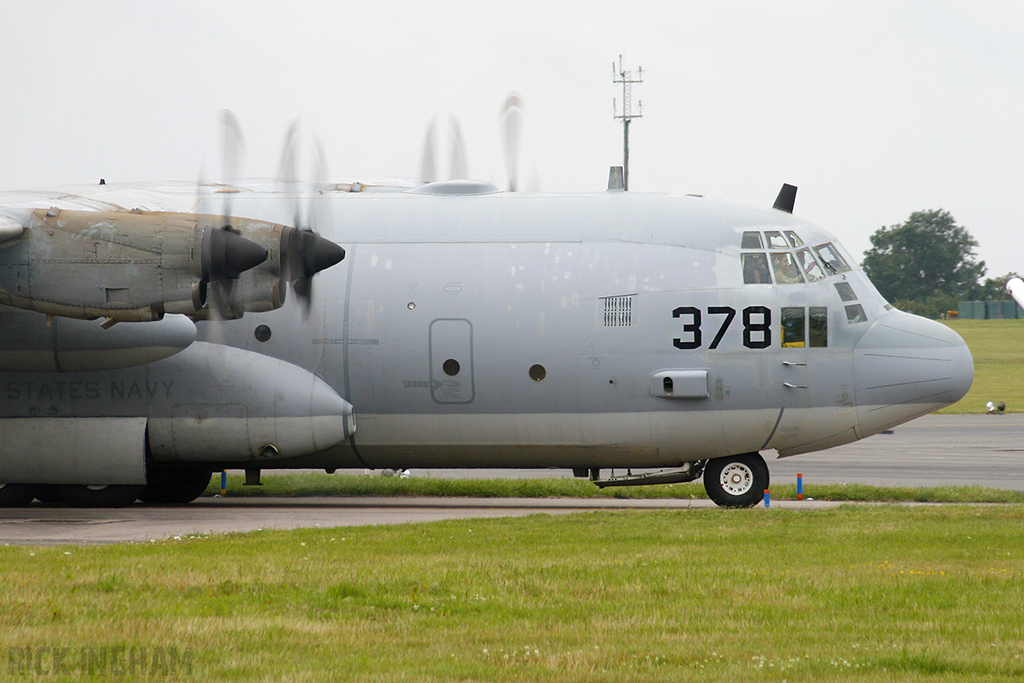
{"points": [[757, 326]]}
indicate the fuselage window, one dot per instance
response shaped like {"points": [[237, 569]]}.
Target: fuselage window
{"points": [[794, 239], [785, 269], [819, 326], [793, 328], [846, 292], [809, 265], [855, 314], [797, 333], [751, 240], [834, 263], [755, 270], [775, 240]]}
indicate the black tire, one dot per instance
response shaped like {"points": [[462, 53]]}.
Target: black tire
{"points": [[82, 496], [736, 481], [16, 495], [170, 486]]}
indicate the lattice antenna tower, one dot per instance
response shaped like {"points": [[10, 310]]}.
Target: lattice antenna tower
{"points": [[627, 80]]}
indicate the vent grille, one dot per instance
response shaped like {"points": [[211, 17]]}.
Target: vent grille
{"points": [[618, 311]]}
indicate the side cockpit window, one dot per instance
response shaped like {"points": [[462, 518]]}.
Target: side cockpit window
{"points": [[834, 263], [755, 269], [855, 314], [809, 265]]}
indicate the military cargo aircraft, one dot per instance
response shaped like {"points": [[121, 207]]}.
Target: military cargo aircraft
{"points": [[151, 334]]}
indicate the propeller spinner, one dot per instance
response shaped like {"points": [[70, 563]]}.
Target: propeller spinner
{"points": [[304, 253]]}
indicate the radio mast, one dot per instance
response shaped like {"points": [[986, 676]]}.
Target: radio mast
{"points": [[627, 80]]}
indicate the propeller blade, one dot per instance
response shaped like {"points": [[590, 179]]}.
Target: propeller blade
{"points": [[511, 130], [232, 151], [287, 164], [224, 253], [428, 161], [303, 252], [459, 169]]}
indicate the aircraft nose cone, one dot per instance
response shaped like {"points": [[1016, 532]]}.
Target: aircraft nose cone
{"points": [[907, 366]]}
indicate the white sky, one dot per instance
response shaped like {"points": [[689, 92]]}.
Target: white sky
{"points": [[875, 109]]}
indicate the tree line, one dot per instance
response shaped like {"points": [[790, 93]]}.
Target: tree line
{"points": [[927, 265]]}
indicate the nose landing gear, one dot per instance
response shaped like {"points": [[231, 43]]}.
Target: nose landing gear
{"points": [[736, 481]]}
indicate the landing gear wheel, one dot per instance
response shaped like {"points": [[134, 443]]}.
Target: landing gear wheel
{"points": [[169, 486], [16, 495], [82, 496], [736, 481]]}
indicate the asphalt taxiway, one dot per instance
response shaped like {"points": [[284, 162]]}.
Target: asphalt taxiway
{"points": [[984, 450]]}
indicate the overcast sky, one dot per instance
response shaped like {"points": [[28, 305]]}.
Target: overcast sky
{"points": [[874, 109]]}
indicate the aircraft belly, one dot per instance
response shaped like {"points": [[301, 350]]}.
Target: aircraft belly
{"points": [[542, 440], [73, 450]]}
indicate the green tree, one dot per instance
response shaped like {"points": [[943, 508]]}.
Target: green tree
{"points": [[993, 289], [926, 257]]}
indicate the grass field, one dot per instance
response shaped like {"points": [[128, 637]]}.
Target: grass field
{"points": [[862, 593], [856, 593], [317, 483], [998, 350]]}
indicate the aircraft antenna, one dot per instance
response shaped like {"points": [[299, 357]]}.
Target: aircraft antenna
{"points": [[627, 80]]}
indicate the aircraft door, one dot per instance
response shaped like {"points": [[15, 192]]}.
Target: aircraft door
{"points": [[451, 360]]}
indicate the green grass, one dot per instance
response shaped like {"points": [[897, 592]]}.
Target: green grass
{"points": [[998, 350], [863, 593], [309, 483]]}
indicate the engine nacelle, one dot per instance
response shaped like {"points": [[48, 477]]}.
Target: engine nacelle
{"points": [[243, 407], [208, 406], [136, 266]]}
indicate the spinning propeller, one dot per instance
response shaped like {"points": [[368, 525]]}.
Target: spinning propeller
{"points": [[510, 127], [458, 168], [233, 248], [225, 253], [304, 253]]}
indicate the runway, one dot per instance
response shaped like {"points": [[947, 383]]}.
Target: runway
{"points": [[934, 450]]}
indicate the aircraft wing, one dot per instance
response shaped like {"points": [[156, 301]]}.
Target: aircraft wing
{"points": [[87, 264]]}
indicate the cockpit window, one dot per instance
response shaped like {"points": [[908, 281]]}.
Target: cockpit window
{"points": [[775, 239], [809, 265], [790, 260], [834, 263], [785, 269], [751, 240], [855, 314], [755, 269], [846, 292]]}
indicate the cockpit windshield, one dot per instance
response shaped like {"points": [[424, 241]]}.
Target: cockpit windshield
{"points": [[781, 257], [790, 261]]}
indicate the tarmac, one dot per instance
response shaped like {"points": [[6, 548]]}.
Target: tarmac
{"points": [[936, 450]]}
